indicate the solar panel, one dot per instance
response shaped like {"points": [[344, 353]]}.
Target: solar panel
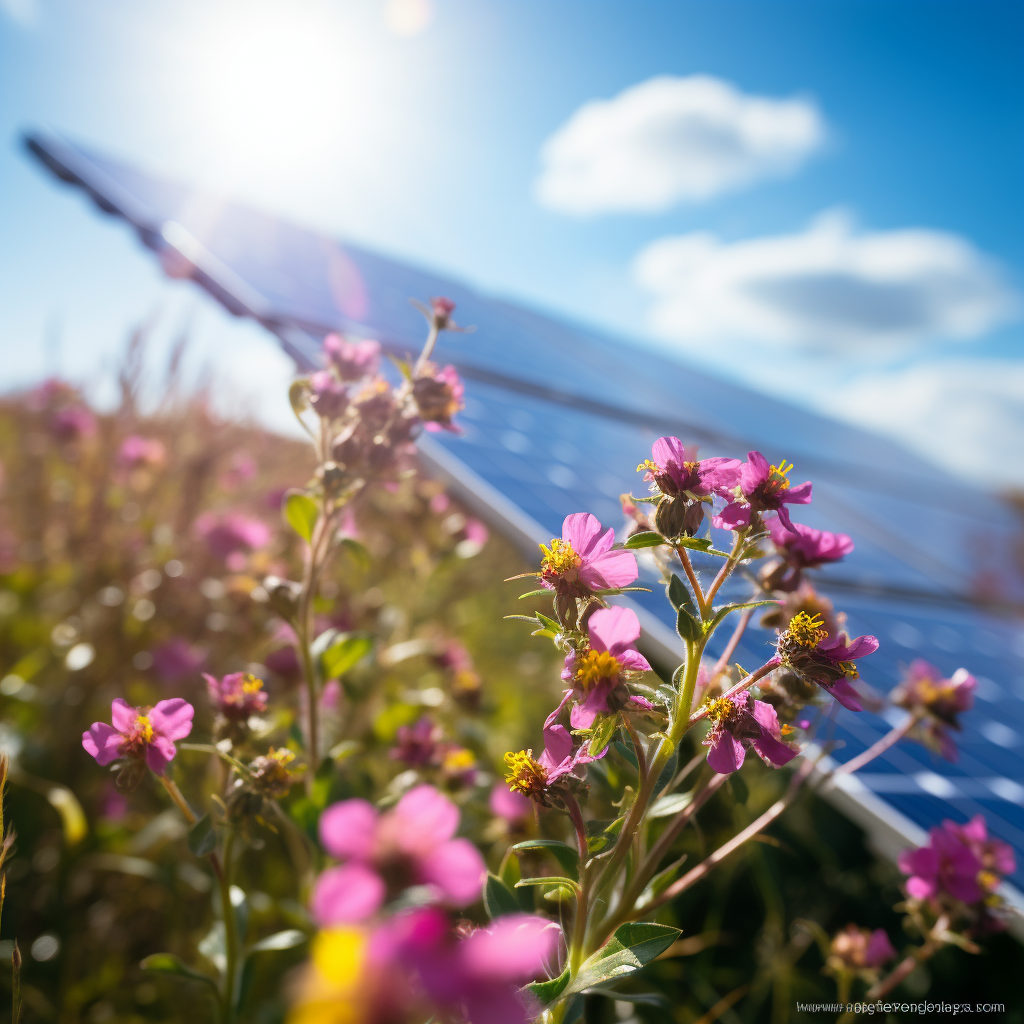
{"points": [[558, 415]]}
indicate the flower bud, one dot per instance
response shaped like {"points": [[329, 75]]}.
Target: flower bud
{"points": [[284, 595], [670, 516]]}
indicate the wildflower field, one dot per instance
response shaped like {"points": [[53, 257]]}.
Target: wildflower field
{"points": [[290, 735]]}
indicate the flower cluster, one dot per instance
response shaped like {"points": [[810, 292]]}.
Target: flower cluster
{"points": [[369, 424], [139, 736], [958, 872], [384, 956], [936, 702]]}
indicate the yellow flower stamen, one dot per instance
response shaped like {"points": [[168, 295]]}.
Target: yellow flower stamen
{"points": [[144, 728], [779, 474], [594, 666], [250, 684], [559, 558], [525, 773], [719, 709], [458, 760], [806, 630], [282, 756], [648, 466]]}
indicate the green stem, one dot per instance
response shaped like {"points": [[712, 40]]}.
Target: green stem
{"points": [[231, 943], [702, 605], [730, 563], [577, 946]]}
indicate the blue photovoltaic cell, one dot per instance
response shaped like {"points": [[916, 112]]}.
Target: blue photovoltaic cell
{"points": [[558, 416]]}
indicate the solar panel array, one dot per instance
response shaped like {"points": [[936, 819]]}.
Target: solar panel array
{"points": [[558, 416]]}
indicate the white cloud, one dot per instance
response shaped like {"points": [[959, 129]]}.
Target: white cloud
{"points": [[965, 415], [670, 139], [827, 287]]}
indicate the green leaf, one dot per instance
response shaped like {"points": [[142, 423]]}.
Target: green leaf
{"points": [[524, 618], [688, 626], [701, 544], [632, 946], [726, 609], [695, 543], [548, 623], [547, 633], [601, 833], [739, 788], [168, 963], [202, 838], [602, 732], [499, 899], [672, 803], [645, 939], [300, 511], [566, 856], [357, 552], [566, 883], [298, 395], [287, 939], [612, 591], [535, 593], [548, 991], [679, 595], [648, 539], [345, 653]]}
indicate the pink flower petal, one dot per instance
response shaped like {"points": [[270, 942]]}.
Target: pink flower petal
{"points": [[633, 660], [345, 894], [103, 742], [159, 754], [726, 754], [612, 627], [610, 570], [457, 869], [424, 818], [732, 517], [347, 829], [582, 531], [123, 715], [514, 949], [172, 718]]}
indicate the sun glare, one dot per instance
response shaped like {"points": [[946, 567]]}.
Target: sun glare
{"points": [[279, 85]]}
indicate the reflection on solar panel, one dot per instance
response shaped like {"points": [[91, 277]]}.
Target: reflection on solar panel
{"points": [[556, 418]]}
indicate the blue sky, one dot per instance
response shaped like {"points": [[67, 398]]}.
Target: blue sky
{"points": [[821, 199]]}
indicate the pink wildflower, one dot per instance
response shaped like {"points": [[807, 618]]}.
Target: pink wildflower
{"points": [[412, 844], [352, 360], [740, 722], [559, 763], [858, 949], [515, 808], [939, 701], [231, 533], [806, 647], [583, 561], [140, 735], [177, 659], [806, 548], [327, 395], [676, 470], [599, 673], [441, 310], [439, 396], [237, 696], [136, 452], [946, 866], [419, 743], [755, 487]]}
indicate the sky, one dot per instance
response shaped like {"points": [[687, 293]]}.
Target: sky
{"points": [[821, 200]]}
